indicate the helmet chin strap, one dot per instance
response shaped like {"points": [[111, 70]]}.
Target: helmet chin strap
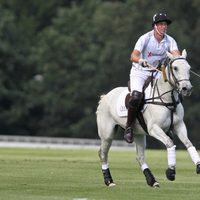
{"points": [[159, 33]]}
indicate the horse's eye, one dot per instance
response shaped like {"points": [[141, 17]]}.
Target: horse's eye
{"points": [[175, 68]]}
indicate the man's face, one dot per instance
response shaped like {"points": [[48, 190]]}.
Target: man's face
{"points": [[162, 27]]}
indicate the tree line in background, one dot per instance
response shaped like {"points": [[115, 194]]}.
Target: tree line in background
{"points": [[57, 57]]}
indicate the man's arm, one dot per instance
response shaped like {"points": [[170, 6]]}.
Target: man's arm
{"points": [[135, 56]]}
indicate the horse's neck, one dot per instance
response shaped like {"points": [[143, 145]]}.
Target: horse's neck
{"points": [[165, 90]]}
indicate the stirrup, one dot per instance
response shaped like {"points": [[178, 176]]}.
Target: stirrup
{"points": [[128, 135]]}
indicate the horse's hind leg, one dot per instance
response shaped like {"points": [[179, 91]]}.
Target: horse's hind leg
{"points": [[140, 141], [103, 154], [106, 133]]}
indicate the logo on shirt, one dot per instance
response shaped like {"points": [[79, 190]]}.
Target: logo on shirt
{"points": [[149, 54]]}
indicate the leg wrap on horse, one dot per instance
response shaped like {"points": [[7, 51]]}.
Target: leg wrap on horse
{"points": [[198, 169], [107, 177], [151, 181], [194, 155], [170, 174], [171, 155]]}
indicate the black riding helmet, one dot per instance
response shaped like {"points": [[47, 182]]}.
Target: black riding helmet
{"points": [[161, 17]]}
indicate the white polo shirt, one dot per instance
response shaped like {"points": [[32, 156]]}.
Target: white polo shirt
{"points": [[153, 51]]}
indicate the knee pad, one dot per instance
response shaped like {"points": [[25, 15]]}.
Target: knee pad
{"points": [[135, 99]]}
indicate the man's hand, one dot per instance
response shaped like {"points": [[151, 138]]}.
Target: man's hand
{"points": [[143, 62]]}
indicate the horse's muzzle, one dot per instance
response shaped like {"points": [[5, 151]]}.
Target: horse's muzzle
{"points": [[186, 89]]}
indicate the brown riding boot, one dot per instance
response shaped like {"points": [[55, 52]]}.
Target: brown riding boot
{"points": [[133, 108], [128, 133]]}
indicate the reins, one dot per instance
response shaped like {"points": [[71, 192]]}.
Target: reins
{"points": [[195, 73]]}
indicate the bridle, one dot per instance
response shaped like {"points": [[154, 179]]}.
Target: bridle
{"points": [[172, 79]]}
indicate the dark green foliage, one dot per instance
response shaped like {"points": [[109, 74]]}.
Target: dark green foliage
{"points": [[57, 57]]}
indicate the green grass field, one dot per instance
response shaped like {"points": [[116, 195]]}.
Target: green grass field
{"points": [[75, 174]]}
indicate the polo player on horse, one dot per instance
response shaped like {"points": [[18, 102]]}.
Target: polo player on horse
{"points": [[150, 49]]}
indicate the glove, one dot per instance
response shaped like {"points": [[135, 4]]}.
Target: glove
{"points": [[143, 62]]}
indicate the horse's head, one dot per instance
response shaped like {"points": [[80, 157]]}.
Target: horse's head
{"points": [[179, 73]]}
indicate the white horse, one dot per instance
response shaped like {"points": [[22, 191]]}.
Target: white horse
{"points": [[163, 112]]}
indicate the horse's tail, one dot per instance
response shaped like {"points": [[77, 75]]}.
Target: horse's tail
{"points": [[99, 103]]}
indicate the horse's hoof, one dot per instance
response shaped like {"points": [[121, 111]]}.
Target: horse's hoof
{"points": [[111, 185], [156, 185], [198, 169], [170, 174]]}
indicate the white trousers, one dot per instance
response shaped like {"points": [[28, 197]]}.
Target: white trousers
{"points": [[138, 78]]}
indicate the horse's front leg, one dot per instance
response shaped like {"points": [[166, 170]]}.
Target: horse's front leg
{"points": [[156, 132], [140, 142], [181, 131]]}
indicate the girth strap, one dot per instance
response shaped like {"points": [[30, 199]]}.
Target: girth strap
{"points": [[173, 104]]}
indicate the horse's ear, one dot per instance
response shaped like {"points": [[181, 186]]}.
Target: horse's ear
{"points": [[184, 53], [170, 56]]}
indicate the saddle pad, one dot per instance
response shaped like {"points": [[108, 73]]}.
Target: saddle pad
{"points": [[121, 107]]}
